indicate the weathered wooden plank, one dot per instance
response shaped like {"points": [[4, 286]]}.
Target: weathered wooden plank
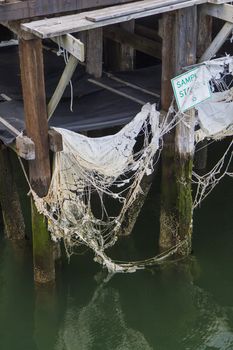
{"points": [[218, 41], [74, 46], [218, 1], [224, 12], [128, 9], [28, 9], [75, 23], [63, 82], [25, 147], [32, 76], [94, 52], [138, 42]]}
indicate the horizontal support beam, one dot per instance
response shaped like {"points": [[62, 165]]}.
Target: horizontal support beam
{"points": [[29, 9], [224, 12], [139, 43], [74, 46], [56, 26], [147, 32], [24, 147]]}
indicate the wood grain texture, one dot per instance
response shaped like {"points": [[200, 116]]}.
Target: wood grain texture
{"points": [[35, 110], [139, 43], [32, 76], [75, 23], [94, 52], [29, 9]]}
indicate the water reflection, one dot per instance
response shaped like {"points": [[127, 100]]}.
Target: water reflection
{"points": [[182, 306]]}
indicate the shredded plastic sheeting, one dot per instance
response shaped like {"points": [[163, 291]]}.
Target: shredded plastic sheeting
{"points": [[216, 115]]}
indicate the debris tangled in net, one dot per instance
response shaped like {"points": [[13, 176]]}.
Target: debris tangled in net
{"points": [[215, 119], [111, 167]]}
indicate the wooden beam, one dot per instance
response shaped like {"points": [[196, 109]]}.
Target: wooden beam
{"points": [[74, 46], [24, 147], [51, 27], [139, 43], [32, 76], [218, 41], [128, 9], [224, 12], [147, 32], [15, 27], [29, 9], [94, 52], [63, 82]]}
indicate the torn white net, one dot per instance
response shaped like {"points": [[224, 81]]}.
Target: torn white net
{"points": [[215, 118], [110, 167]]}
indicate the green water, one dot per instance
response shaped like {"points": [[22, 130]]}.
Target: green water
{"points": [[187, 305]]}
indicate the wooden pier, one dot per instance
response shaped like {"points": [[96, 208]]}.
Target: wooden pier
{"points": [[104, 36]]}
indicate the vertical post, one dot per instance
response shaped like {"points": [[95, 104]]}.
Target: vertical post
{"points": [[204, 39], [13, 219], [168, 192], [120, 57], [176, 216], [94, 52], [32, 77]]}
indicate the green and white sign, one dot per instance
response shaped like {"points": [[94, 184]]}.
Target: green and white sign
{"points": [[191, 88]]}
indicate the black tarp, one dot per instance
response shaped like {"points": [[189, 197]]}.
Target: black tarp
{"points": [[93, 107]]}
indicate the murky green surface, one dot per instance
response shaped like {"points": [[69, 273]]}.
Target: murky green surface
{"points": [[187, 305]]}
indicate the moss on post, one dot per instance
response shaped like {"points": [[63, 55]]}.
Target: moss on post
{"points": [[179, 50], [184, 204], [32, 76], [42, 248]]}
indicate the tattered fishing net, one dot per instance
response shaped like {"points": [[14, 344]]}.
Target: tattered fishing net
{"points": [[215, 121], [109, 168]]}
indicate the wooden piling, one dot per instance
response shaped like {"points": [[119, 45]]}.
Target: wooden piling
{"points": [[168, 221], [14, 226], [120, 56], [176, 205], [94, 52], [32, 77]]}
